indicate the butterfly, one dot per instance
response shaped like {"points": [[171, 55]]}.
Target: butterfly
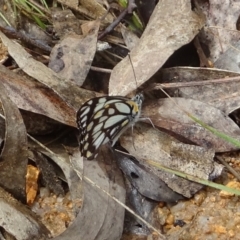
{"points": [[102, 120]]}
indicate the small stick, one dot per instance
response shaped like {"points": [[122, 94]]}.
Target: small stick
{"points": [[131, 6]]}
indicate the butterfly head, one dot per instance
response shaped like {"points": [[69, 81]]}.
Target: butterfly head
{"points": [[137, 103]]}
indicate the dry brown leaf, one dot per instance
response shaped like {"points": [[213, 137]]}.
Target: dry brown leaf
{"points": [[3, 53], [146, 183], [71, 58], [99, 211], [65, 22], [91, 8], [71, 95], [19, 221], [130, 38], [14, 157], [57, 153], [35, 97], [220, 31], [223, 96], [229, 59], [167, 115], [172, 25], [151, 144]]}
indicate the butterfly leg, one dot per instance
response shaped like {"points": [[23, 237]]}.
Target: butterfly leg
{"points": [[147, 118]]}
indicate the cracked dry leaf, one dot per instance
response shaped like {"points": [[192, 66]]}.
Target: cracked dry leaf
{"points": [[172, 25], [49, 176]]}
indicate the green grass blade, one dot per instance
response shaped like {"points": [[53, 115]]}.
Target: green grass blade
{"points": [[216, 132], [4, 19], [195, 179]]}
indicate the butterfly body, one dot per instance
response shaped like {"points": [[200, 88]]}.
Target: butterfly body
{"points": [[103, 119]]}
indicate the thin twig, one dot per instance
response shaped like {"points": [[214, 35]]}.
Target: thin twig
{"points": [[230, 169], [193, 84], [12, 33], [131, 6], [98, 69]]}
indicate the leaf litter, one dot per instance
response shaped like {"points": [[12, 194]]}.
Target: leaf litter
{"points": [[71, 58], [14, 156], [160, 39], [169, 117], [58, 97], [222, 95]]}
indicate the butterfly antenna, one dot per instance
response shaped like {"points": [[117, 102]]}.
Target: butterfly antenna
{"points": [[137, 86], [133, 69], [146, 118]]}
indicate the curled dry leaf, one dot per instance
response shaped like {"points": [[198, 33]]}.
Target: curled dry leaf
{"points": [[144, 181], [172, 25], [3, 53], [99, 211], [71, 59], [223, 96], [14, 157], [167, 114], [151, 144], [58, 154], [142, 206], [18, 220], [2, 129], [48, 173]]}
